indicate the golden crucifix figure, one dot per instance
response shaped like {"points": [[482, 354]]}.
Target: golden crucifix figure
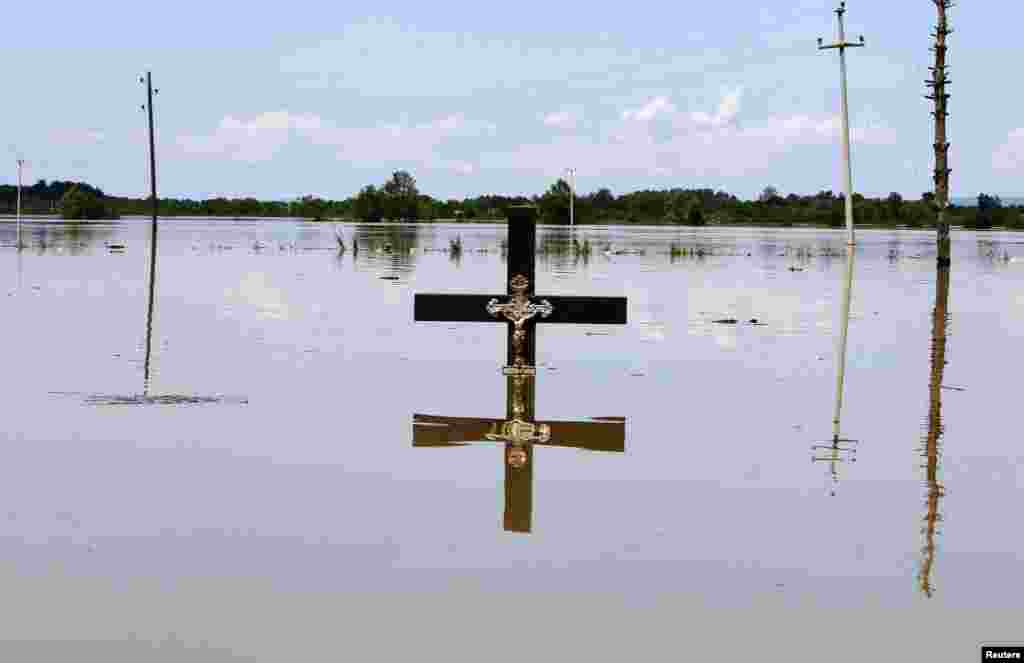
{"points": [[518, 310]]}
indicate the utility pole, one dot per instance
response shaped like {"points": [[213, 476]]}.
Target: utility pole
{"points": [[21, 164], [938, 95], [572, 194], [842, 45], [148, 80], [152, 144]]}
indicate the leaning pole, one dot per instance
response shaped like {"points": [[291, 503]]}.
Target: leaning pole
{"points": [[842, 45], [152, 239]]}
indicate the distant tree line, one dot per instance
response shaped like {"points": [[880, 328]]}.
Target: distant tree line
{"points": [[72, 200], [399, 199]]}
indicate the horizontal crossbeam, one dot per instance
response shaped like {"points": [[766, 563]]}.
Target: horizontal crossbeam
{"points": [[473, 308], [842, 45], [600, 434]]}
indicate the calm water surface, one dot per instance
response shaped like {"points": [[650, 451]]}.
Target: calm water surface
{"points": [[261, 499]]}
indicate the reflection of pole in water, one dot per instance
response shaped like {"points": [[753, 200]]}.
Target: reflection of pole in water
{"points": [[844, 325], [149, 308], [834, 453], [932, 518]]}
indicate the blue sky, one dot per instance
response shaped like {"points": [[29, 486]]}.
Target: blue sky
{"points": [[278, 101]]}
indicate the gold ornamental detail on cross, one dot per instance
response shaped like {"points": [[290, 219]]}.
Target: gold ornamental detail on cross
{"points": [[519, 432], [518, 310]]}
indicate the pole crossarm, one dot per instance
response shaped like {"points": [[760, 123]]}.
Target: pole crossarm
{"points": [[842, 44]]}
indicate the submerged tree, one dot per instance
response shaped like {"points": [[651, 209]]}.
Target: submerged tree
{"points": [[937, 83]]}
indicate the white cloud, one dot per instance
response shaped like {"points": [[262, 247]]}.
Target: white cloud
{"points": [[256, 139], [697, 143], [649, 110], [261, 136], [560, 120], [381, 57], [76, 136], [727, 111], [418, 144], [1010, 155]]}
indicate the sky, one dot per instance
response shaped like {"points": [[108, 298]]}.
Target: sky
{"points": [[279, 101]]}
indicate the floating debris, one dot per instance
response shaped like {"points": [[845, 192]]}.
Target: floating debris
{"points": [[144, 399], [734, 321]]}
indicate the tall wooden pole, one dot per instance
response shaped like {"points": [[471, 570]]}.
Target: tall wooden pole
{"points": [[152, 143], [842, 45], [152, 237], [937, 83]]}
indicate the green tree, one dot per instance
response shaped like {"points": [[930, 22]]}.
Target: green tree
{"points": [[554, 204], [401, 197], [989, 213], [683, 207], [769, 194], [368, 205], [894, 205], [79, 203]]}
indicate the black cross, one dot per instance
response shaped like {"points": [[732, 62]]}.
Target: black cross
{"points": [[521, 310], [520, 433]]}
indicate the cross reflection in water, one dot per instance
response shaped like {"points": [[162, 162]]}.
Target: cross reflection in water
{"points": [[520, 433]]}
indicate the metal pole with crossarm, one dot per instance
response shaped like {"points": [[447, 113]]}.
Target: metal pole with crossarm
{"points": [[842, 45]]}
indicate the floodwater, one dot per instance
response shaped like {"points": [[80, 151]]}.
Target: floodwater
{"points": [[259, 498]]}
